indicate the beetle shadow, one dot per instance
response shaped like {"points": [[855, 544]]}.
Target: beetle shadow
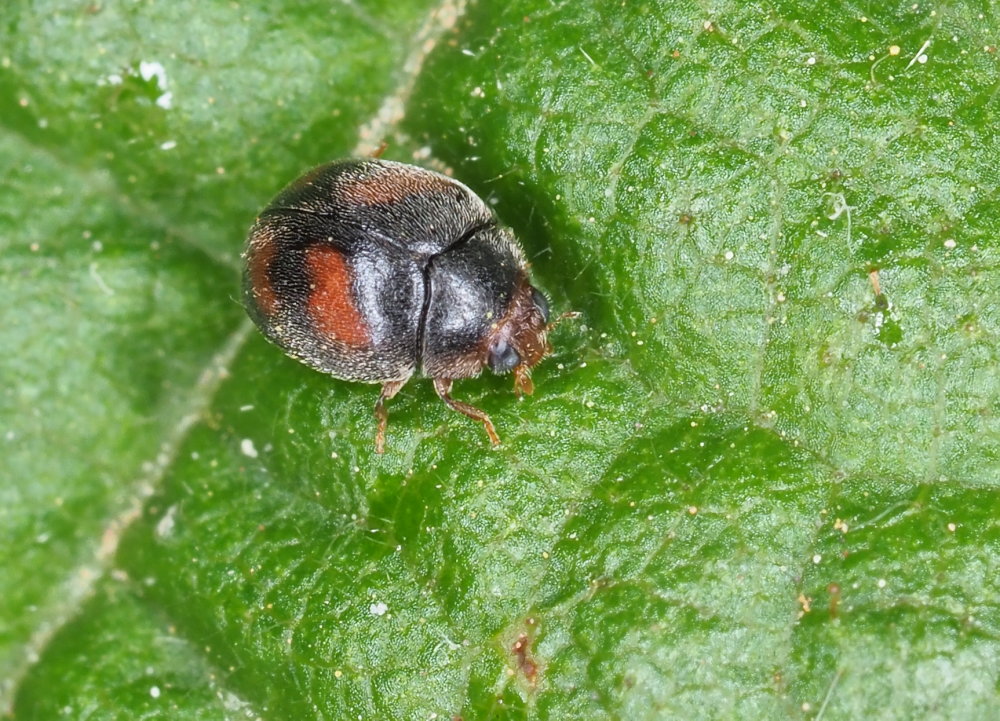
{"points": [[559, 262]]}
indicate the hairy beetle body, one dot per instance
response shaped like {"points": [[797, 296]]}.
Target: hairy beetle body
{"points": [[371, 270]]}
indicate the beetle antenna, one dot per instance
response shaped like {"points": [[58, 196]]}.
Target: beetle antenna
{"points": [[568, 315]]}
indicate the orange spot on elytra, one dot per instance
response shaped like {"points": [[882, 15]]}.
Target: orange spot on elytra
{"points": [[258, 267], [331, 303]]}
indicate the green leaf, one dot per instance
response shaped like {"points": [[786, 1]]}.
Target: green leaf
{"points": [[117, 659], [757, 478]]}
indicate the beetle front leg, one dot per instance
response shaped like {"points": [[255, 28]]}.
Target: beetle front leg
{"points": [[443, 387], [523, 385], [382, 415]]}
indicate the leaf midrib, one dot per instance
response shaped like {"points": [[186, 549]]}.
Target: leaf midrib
{"points": [[207, 381]]}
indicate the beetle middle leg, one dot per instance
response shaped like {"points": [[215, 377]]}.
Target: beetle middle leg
{"points": [[443, 387], [382, 415]]}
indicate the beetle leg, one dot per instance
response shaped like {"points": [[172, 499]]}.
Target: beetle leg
{"points": [[382, 415], [522, 381], [443, 388]]}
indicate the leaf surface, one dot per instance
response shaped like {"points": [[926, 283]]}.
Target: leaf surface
{"points": [[757, 478]]}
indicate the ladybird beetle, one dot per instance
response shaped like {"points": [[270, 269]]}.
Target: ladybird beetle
{"points": [[371, 270]]}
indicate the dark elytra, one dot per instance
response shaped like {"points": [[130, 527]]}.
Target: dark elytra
{"points": [[371, 270]]}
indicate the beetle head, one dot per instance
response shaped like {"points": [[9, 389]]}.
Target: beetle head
{"points": [[520, 340]]}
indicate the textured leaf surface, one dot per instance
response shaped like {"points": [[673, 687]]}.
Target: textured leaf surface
{"points": [[758, 478]]}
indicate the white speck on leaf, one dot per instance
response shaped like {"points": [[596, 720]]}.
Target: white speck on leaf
{"points": [[247, 448], [165, 526], [919, 57], [99, 280], [378, 609], [150, 70]]}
